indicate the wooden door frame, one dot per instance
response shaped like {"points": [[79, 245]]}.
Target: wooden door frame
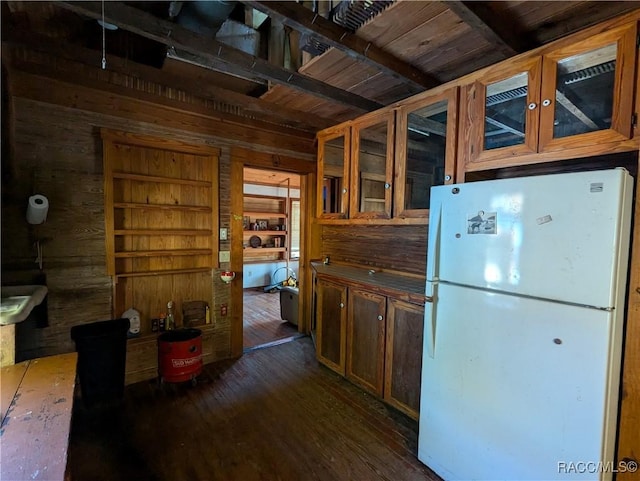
{"points": [[241, 158]]}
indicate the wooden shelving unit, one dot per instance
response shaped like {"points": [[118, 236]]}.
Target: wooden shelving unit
{"points": [[161, 226], [273, 211]]}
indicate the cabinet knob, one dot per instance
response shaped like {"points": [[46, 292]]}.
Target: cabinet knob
{"points": [[344, 191], [447, 178], [532, 106], [341, 305], [380, 317], [387, 186], [546, 102]]}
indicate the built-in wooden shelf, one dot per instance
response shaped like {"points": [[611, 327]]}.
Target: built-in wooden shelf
{"points": [[258, 250], [160, 253], [195, 232], [269, 215], [159, 179], [174, 207], [264, 232], [190, 270]]}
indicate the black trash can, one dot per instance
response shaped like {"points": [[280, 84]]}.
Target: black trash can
{"points": [[102, 352]]}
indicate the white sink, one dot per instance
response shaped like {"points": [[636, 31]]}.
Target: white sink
{"points": [[17, 302]]}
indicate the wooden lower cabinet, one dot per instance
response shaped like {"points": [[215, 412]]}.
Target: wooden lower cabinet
{"points": [[365, 339], [331, 319], [372, 339], [403, 361]]}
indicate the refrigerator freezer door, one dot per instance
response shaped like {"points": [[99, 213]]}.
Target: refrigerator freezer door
{"points": [[554, 236], [517, 388]]}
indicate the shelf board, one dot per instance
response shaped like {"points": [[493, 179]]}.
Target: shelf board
{"points": [[194, 232], [263, 250], [161, 180], [265, 215], [264, 232], [163, 272], [136, 205], [160, 253]]}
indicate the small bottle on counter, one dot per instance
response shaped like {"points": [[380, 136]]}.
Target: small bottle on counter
{"points": [[207, 315], [171, 322], [162, 323]]}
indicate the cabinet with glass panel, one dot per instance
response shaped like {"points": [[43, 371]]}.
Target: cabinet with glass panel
{"points": [[425, 150], [334, 146], [573, 96]]}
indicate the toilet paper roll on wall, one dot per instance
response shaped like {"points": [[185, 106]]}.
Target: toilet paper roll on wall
{"points": [[37, 209]]}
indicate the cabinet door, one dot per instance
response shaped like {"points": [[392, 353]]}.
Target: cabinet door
{"points": [[333, 172], [586, 91], [372, 166], [425, 151], [365, 339], [403, 362], [504, 111], [331, 322]]}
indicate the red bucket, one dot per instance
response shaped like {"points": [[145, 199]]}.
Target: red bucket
{"points": [[180, 355]]}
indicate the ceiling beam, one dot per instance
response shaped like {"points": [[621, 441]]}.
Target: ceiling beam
{"points": [[263, 109], [300, 18], [483, 21], [211, 51]]}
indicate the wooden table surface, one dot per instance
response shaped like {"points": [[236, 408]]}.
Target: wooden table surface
{"points": [[36, 405]]}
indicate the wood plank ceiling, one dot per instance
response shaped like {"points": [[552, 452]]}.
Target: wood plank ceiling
{"points": [[407, 48]]}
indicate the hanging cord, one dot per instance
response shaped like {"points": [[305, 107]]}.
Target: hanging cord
{"points": [[104, 48]]}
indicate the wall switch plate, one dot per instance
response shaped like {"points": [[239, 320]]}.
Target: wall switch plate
{"points": [[223, 233], [224, 256]]}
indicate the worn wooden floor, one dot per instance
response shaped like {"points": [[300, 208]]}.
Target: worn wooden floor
{"points": [[261, 319], [274, 414]]}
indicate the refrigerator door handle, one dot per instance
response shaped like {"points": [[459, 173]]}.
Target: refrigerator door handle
{"points": [[433, 244], [430, 322]]}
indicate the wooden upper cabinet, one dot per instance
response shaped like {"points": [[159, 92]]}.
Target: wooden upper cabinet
{"points": [[372, 166], [576, 95], [425, 151], [504, 111], [587, 89], [333, 172]]}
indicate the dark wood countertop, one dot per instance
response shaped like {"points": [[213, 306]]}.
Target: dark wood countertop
{"points": [[37, 402], [408, 288]]}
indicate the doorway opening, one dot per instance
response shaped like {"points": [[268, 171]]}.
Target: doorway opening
{"points": [[271, 253]]}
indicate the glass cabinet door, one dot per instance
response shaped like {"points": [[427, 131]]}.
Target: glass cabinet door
{"points": [[372, 166], [425, 151], [333, 173], [586, 90], [505, 111]]}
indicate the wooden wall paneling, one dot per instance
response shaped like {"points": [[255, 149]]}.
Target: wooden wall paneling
{"points": [[310, 250], [58, 151], [401, 248], [237, 209], [629, 417], [172, 115]]}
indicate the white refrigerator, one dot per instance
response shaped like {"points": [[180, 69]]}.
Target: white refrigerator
{"points": [[523, 338]]}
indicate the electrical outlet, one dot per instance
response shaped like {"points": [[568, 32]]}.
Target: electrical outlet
{"points": [[224, 256], [223, 310], [223, 233]]}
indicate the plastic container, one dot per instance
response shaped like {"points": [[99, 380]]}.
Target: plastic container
{"points": [[180, 355], [289, 304], [102, 353]]}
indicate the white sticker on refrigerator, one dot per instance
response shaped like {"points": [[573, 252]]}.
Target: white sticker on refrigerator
{"points": [[482, 222]]}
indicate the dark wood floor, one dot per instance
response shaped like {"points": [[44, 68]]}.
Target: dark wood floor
{"points": [[262, 323], [274, 414]]}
